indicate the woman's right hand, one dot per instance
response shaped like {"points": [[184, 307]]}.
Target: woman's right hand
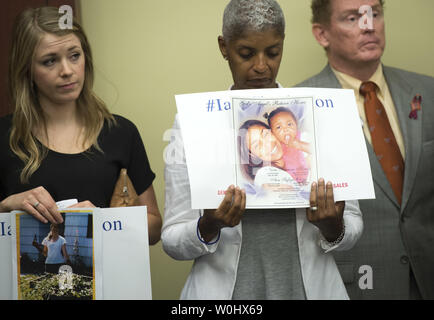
{"points": [[37, 202], [228, 214]]}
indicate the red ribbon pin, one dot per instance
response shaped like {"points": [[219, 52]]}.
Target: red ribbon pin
{"points": [[416, 105]]}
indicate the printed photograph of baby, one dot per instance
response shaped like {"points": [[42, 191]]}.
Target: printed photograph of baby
{"points": [[276, 151]]}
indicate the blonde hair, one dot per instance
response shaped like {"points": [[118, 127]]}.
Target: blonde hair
{"points": [[29, 28]]}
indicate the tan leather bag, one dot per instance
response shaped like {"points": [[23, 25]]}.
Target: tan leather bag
{"points": [[124, 194]]}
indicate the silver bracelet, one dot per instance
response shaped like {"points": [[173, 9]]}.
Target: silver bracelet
{"points": [[339, 239]]}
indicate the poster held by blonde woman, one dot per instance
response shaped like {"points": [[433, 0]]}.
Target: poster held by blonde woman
{"points": [[62, 142]]}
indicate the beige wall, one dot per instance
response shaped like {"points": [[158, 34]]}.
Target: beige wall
{"points": [[147, 51]]}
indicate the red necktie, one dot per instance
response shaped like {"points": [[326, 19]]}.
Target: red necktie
{"points": [[383, 139]]}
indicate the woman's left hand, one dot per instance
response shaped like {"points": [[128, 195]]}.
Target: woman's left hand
{"points": [[324, 212]]}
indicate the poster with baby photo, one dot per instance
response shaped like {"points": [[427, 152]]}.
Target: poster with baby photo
{"points": [[322, 138], [276, 151]]}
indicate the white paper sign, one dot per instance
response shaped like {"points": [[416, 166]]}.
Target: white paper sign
{"points": [[6, 257], [124, 271], [97, 253], [208, 130]]}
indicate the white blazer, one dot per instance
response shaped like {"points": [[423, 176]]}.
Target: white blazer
{"points": [[215, 267]]}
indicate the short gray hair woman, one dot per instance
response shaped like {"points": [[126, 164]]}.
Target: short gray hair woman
{"points": [[252, 15], [258, 27], [259, 258]]}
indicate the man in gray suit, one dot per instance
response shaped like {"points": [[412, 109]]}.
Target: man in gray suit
{"points": [[394, 259]]}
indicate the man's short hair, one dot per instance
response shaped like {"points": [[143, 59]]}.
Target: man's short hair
{"points": [[321, 11]]}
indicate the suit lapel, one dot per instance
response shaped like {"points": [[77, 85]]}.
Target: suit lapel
{"points": [[402, 94], [327, 76], [378, 175]]}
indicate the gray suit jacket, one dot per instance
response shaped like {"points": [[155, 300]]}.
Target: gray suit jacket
{"points": [[396, 238]]}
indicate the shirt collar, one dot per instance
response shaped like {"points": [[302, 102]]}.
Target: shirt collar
{"points": [[349, 82]]}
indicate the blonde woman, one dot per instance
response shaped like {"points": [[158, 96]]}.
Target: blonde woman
{"points": [[61, 141]]}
